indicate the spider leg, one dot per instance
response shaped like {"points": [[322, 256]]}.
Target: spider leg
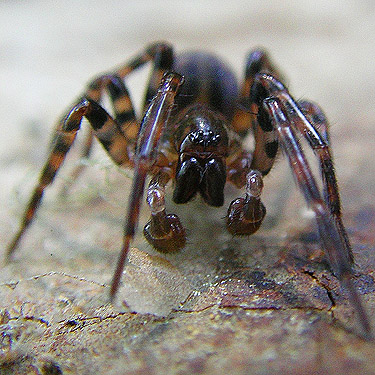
{"points": [[163, 59], [257, 61], [64, 133], [61, 144], [266, 144], [319, 141], [123, 112], [78, 169], [265, 85], [279, 115], [316, 116], [104, 128], [162, 56], [164, 232], [245, 215], [152, 128]]}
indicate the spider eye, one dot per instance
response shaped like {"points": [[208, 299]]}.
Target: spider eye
{"points": [[206, 138]]}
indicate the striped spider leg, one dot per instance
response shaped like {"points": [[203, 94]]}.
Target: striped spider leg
{"points": [[152, 129], [278, 111], [118, 136], [116, 144]]}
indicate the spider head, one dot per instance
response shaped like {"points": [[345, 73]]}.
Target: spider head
{"points": [[201, 139]]}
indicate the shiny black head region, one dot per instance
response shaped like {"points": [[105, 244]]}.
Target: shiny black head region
{"points": [[201, 139]]}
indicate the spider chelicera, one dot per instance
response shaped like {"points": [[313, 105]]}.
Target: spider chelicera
{"points": [[192, 131]]}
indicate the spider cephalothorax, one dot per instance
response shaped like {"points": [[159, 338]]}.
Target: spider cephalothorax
{"points": [[202, 142], [192, 133]]}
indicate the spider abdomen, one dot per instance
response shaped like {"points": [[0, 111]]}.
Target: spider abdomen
{"points": [[208, 80]]}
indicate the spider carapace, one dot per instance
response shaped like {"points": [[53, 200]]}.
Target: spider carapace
{"points": [[195, 120]]}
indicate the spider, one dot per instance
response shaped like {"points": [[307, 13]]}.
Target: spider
{"points": [[196, 117]]}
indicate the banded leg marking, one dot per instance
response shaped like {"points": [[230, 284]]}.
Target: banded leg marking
{"points": [[330, 234], [152, 128], [104, 128], [257, 61], [250, 114], [61, 143], [320, 143], [123, 108]]}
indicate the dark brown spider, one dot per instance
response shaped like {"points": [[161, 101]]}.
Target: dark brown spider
{"points": [[192, 134]]}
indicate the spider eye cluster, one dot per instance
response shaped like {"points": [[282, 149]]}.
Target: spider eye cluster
{"points": [[204, 138], [201, 130]]}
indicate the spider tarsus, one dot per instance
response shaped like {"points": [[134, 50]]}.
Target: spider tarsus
{"points": [[363, 318], [245, 215], [165, 232], [119, 268], [11, 247]]}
